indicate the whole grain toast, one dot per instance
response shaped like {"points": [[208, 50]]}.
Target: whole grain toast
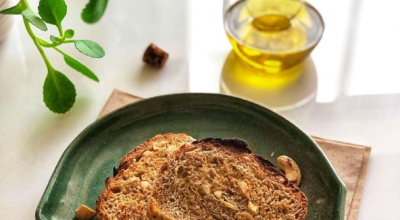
{"points": [[126, 194], [221, 179]]}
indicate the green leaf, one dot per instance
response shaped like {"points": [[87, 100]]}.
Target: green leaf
{"points": [[16, 10], [55, 39], [58, 92], [69, 33], [89, 48], [94, 10], [34, 19], [80, 67], [52, 11]]}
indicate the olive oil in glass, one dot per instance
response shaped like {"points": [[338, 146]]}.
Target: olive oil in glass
{"points": [[273, 34]]}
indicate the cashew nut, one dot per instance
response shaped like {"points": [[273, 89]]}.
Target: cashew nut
{"points": [[245, 189], [244, 216], [292, 171], [218, 194], [84, 213], [144, 184], [252, 208], [230, 205], [206, 189]]}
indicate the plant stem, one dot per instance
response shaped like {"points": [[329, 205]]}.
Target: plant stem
{"points": [[28, 28], [37, 44], [45, 43], [60, 30], [24, 4], [58, 50]]}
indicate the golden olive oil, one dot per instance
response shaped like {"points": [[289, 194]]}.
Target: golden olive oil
{"points": [[271, 23], [272, 40]]}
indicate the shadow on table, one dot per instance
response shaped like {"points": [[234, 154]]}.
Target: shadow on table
{"points": [[48, 127], [289, 89]]}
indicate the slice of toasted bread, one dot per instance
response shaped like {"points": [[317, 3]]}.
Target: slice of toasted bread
{"points": [[126, 194], [221, 179]]}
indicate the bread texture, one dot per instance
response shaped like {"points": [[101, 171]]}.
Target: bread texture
{"points": [[221, 179], [126, 194]]}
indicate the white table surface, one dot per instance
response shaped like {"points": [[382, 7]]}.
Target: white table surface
{"points": [[357, 93]]}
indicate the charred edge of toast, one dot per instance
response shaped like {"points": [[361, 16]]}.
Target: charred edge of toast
{"points": [[304, 203], [238, 144], [266, 163], [100, 201]]}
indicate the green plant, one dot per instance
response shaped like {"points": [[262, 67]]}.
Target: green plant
{"points": [[94, 10], [58, 91]]}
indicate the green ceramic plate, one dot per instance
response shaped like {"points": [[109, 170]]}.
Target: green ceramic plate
{"points": [[79, 176]]}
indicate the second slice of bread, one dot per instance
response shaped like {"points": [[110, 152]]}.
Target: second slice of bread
{"points": [[221, 179]]}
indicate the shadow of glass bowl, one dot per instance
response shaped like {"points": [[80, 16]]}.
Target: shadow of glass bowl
{"points": [[289, 89]]}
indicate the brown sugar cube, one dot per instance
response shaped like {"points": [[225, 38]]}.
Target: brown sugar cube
{"points": [[155, 56]]}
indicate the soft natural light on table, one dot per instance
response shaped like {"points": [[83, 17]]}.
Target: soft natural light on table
{"points": [[357, 97]]}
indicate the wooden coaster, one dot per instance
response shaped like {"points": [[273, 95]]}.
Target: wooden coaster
{"points": [[349, 160]]}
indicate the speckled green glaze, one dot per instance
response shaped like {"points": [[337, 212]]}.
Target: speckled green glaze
{"points": [[80, 174]]}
